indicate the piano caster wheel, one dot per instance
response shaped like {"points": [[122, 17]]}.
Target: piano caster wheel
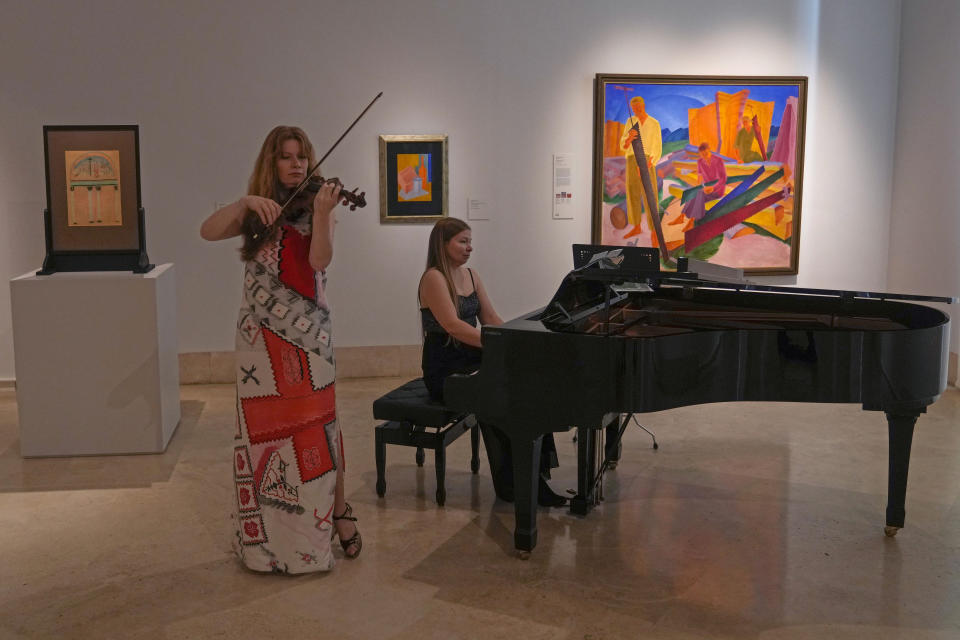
{"points": [[655, 446], [890, 531], [420, 456], [523, 555], [612, 464], [381, 488], [441, 497]]}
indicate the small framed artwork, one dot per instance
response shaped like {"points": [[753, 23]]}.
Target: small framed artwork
{"points": [[708, 167], [413, 178], [94, 220]]}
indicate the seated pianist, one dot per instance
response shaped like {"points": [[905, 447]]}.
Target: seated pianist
{"points": [[452, 298]]}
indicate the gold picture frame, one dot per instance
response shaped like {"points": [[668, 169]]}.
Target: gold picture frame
{"points": [[724, 166], [413, 178]]}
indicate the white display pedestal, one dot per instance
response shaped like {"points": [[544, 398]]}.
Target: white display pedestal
{"points": [[96, 361]]}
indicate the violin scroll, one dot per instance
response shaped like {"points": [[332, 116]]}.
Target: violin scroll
{"points": [[352, 198]]}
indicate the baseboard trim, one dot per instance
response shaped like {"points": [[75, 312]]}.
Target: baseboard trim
{"points": [[217, 367], [8, 383]]}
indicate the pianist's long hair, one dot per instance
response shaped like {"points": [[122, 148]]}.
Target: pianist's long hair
{"points": [[443, 231]]}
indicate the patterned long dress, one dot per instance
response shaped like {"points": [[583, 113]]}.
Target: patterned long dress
{"points": [[288, 442]]}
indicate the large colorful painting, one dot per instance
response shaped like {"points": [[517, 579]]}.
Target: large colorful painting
{"points": [[719, 175]]}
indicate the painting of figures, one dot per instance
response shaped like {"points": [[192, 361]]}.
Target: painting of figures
{"points": [[704, 167]]}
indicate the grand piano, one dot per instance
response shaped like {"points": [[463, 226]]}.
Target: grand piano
{"points": [[620, 337]]}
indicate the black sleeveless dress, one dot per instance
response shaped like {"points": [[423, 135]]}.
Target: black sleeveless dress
{"points": [[443, 356]]}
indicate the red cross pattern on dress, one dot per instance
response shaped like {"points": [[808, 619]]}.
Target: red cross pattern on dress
{"points": [[297, 410]]}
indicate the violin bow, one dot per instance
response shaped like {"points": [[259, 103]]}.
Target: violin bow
{"points": [[313, 169]]}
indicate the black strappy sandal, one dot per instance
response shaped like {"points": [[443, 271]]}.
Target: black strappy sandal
{"points": [[355, 539]]}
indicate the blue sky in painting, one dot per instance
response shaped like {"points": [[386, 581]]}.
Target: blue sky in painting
{"points": [[668, 103]]}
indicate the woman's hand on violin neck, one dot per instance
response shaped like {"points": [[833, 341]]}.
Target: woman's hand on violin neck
{"points": [[326, 199], [265, 208]]}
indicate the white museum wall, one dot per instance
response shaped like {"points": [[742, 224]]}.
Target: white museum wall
{"points": [[925, 223], [511, 83]]}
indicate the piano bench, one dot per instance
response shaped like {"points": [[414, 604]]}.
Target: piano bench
{"points": [[414, 420]]}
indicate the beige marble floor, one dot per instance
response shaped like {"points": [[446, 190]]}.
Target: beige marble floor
{"points": [[751, 521]]}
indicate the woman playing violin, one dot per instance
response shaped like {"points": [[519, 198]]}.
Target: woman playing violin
{"points": [[288, 454]]}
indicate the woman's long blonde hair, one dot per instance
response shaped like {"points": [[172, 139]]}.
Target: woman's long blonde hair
{"points": [[264, 181], [443, 231]]}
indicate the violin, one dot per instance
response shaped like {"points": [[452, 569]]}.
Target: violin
{"points": [[304, 199], [301, 203]]}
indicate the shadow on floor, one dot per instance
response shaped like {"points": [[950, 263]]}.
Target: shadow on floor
{"points": [[18, 474]]}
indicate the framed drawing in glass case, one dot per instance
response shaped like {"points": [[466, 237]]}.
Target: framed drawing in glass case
{"points": [[94, 220]]}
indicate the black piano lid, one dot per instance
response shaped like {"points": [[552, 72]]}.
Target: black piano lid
{"points": [[679, 280], [641, 265]]}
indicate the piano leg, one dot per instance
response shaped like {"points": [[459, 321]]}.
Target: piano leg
{"points": [[526, 476], [475, 448], [900, 428]]}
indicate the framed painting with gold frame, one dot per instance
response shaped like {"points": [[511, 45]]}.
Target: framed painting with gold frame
{"points": [[94, 220], [724, 167], [413, 178]]}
